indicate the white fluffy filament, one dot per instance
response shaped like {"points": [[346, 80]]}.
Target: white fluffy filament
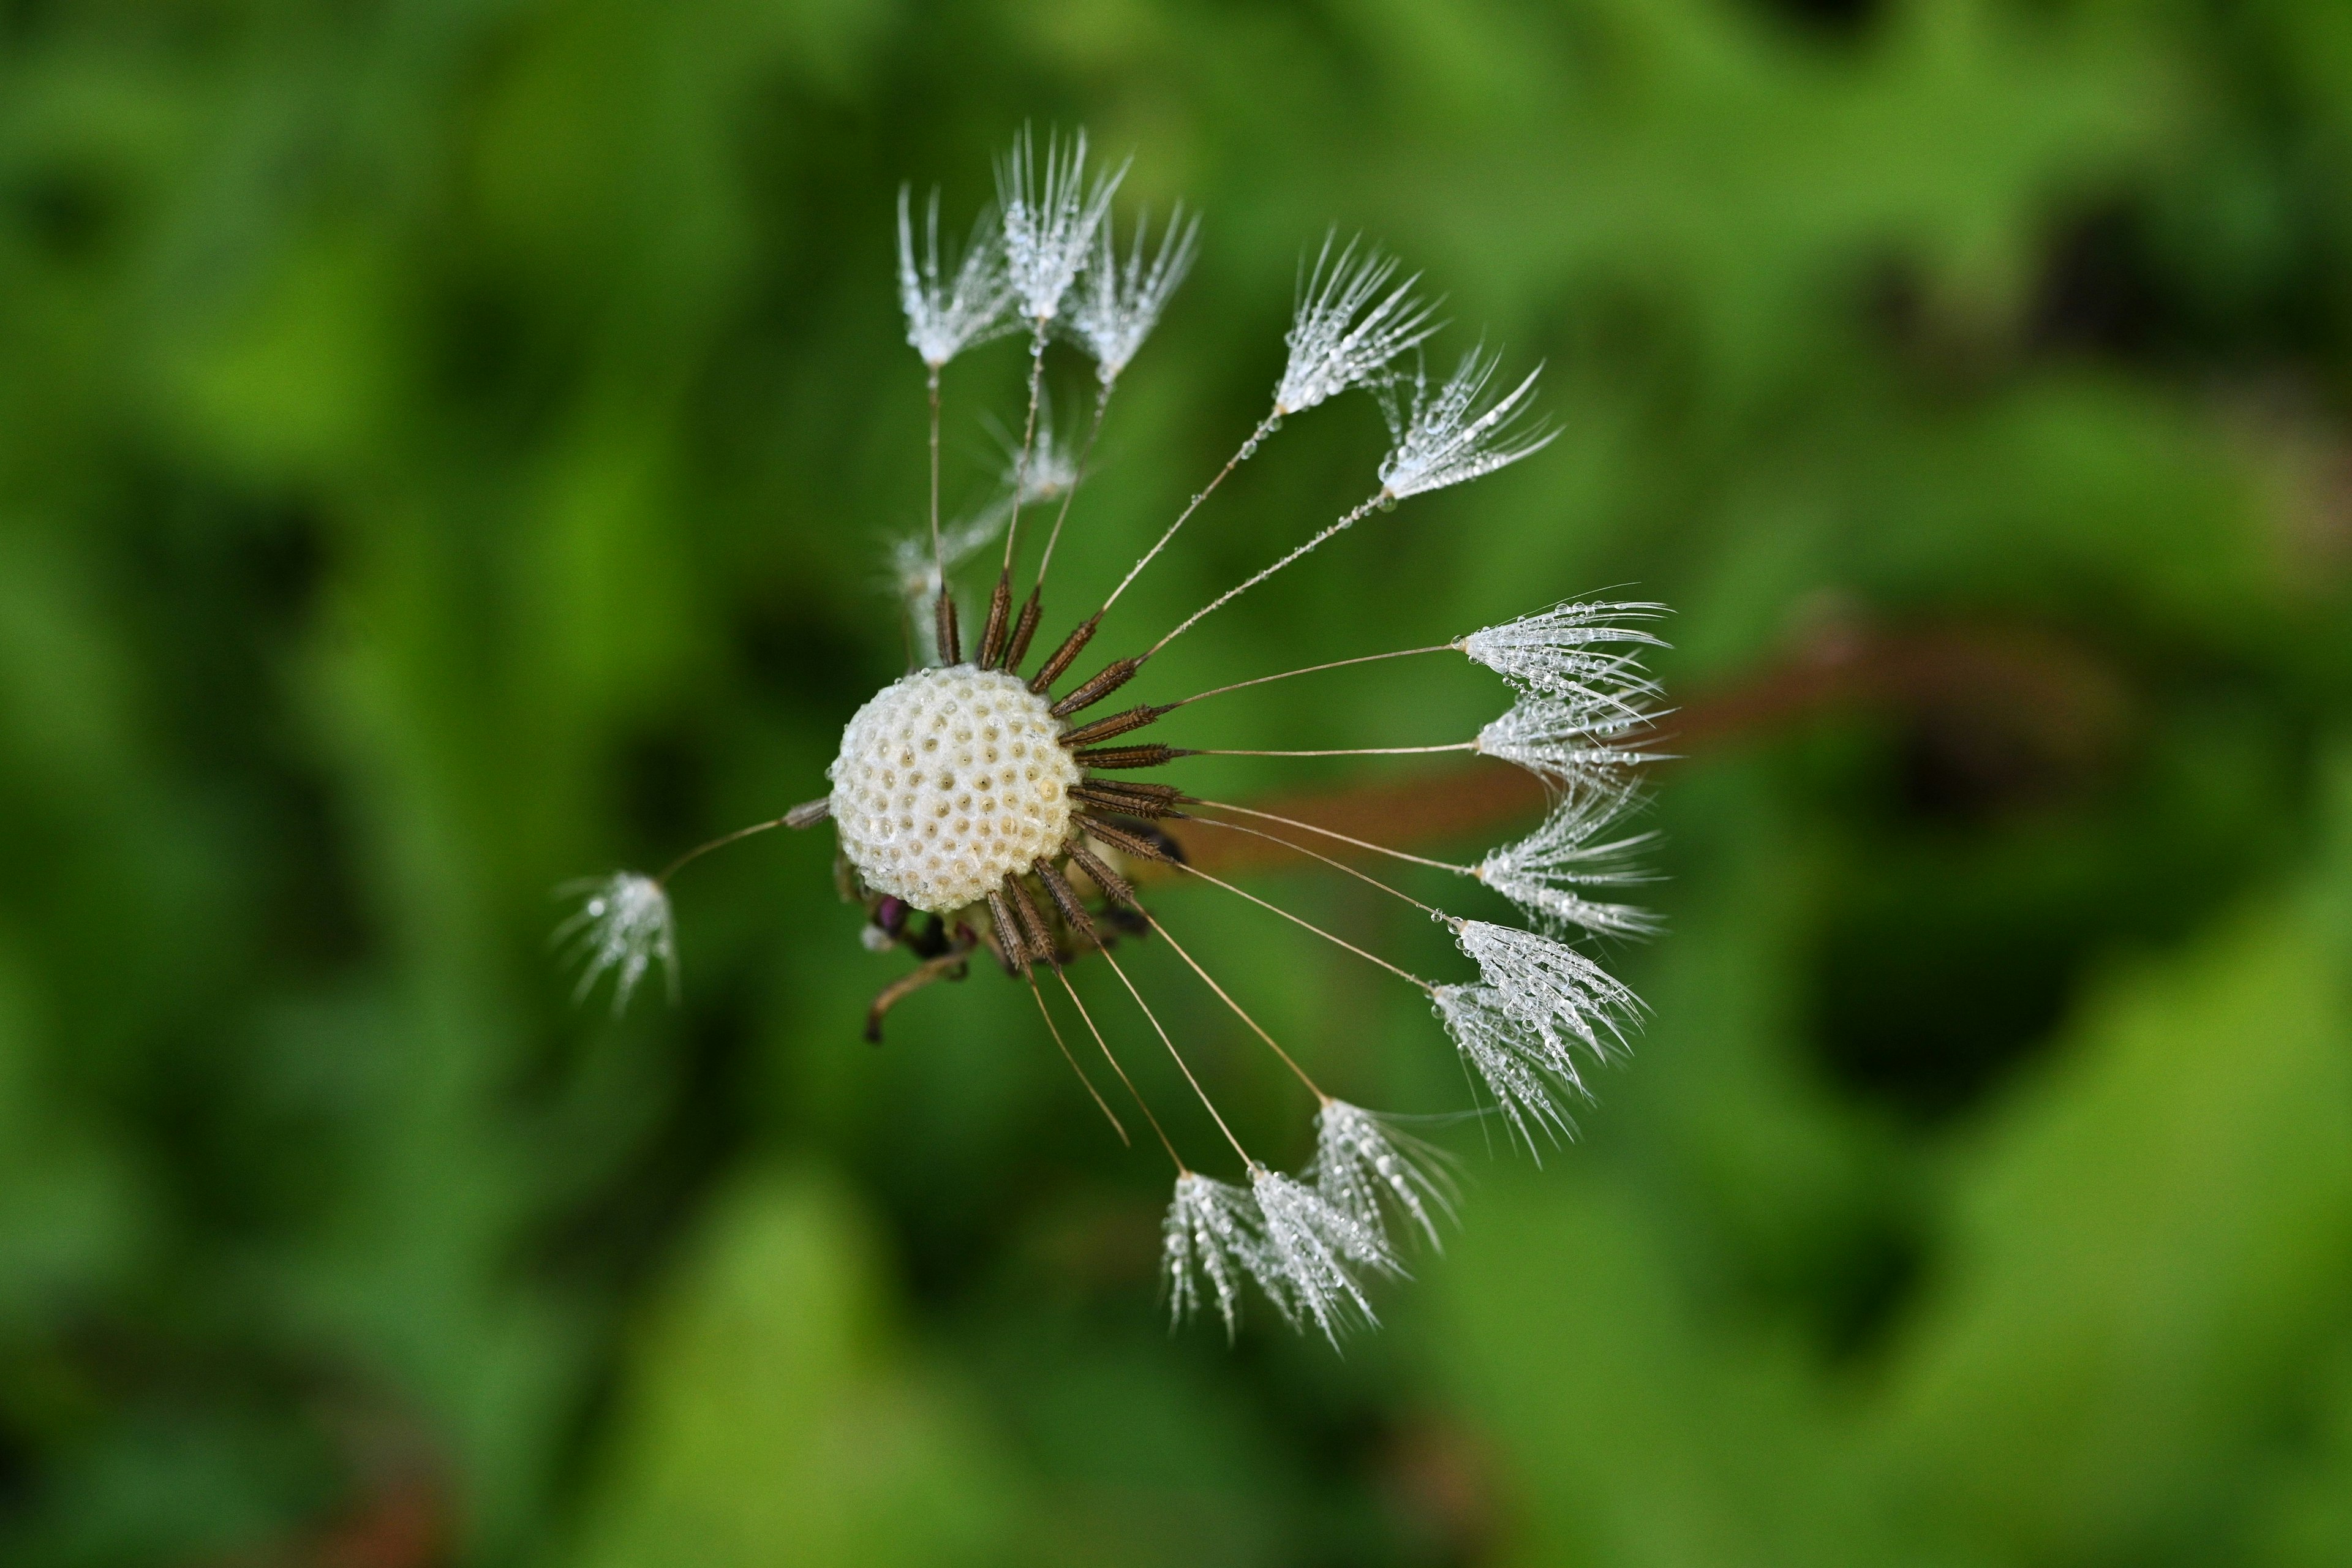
{"points": [[1050, 218], [1365, 1167], [625, 926], [1349, 325], [1119, 303], [948, 309], [1561, 651], [1519, 1062], [1542, 872], [1445, 438], [1210, 1237], [1311, 1252], [1551, 985]]}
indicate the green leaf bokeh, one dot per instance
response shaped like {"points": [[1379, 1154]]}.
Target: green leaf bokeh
{"points": [[450, 446]]}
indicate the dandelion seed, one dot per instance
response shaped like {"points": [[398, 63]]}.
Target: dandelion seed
{"points": [[1447, 439], [623, 925], [1347, 330], [1051, 470], [1311, 1252], [1517, 1060], [1118, 304], [1549, 983], [1542, 872], [1210, 1238], [1049, 219], [1570, 651], [1363, 1167], [946, 317]]}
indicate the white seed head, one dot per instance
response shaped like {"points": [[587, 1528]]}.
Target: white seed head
{"points": [[1445, 438], [1572, 650], [1519, 1062], [1347, 325], [1542, 872], [1119, 304], [1311, 1253], [622, 925], [1050, 218], [1364, 1167], [948, 309], [1210, 1238], [947, 780]]}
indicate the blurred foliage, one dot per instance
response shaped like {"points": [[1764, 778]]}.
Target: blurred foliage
{"points": [[448, 446]]}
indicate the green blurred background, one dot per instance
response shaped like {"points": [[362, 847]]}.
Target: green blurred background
{"points": [[449, 446]]}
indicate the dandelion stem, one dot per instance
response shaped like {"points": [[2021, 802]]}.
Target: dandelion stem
{"points": [[1102, 403], [1053, 1029], [1140, 1104], [1120, 970], [1238, 589], [1342, 751], [722, 842], [1028, 437], [1337, 865], [1327, 833], [1288, 1060], [1313, 669], [1309, 925], [938, 557], [1241, 455]]}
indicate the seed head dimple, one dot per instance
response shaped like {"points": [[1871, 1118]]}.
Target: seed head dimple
{"points": [[947, 780]]}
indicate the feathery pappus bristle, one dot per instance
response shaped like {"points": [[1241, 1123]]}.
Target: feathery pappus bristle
{"points": [[623, 926], [1445, 438], [1350, 323]]}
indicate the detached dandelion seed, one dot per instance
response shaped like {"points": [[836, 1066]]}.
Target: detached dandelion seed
{"points": [[623, 927], [988, 816]]}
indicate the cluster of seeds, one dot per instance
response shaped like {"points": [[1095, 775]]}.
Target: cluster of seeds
{"points": [[947, 780], [974, 797]]}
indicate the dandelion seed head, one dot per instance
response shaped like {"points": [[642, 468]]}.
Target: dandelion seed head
{"points": [[1119, 302], [1364, 1168], [1312, 1252], [1445, 438], [1050, 218], [1350, 323], [624, 926], [947, 780], [949, 307], [1210, 1238]]}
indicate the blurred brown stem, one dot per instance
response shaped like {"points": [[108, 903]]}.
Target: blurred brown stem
{"points": [[2052, 695]]}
